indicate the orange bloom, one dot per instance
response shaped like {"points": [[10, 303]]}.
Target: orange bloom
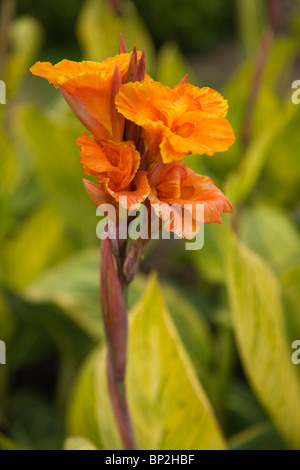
{"points": [[90, 89], [177, 185], [181, 121], [115, 165], [142, 130]]}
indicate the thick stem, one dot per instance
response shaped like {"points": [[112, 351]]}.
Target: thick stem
{"points": [[117, 391], [114, 312]]}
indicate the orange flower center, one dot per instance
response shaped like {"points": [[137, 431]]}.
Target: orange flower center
{"points": [[184, 130]]}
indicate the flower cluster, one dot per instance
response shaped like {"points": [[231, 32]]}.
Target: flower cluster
{"points": [[141, 131]]}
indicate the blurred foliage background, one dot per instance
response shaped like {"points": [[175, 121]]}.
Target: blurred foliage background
{"points": [[214, 370]]}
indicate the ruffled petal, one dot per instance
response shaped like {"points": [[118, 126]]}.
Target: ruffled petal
{"points": [[133, 197], [208, 134], [209, 100], [92, 158], [68, 68], [189, 119], [113, 163], [137, 102], [178, 186]]}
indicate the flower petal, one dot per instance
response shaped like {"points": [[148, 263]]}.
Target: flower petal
{"points": [[177, 186], [189, 119], [69, 68], [97, 195], [136, 101], [210, 100], [89, 88], [132, 198], [85, 116], [208, 134], [93, 160], [94, 90]]}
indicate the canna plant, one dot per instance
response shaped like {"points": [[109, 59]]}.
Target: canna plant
{"points": [[139, 133]]}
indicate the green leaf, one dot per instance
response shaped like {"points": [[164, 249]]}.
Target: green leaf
{"points": [[251, 20], [73, 286], [209, 260], [78, 443], [242, 181], [7, 323], [8, 444], [269, 232], [165, 406], [32, 247], [9, 177], [281, 177], [8, 165], [171, 66], [26, 36], [290, 282], [260, 331], [189, 322], [280, 61], [263, 140], [99, 28], [81, 418], [90, 413], [262, 436], [34, 422], [242, 408]]}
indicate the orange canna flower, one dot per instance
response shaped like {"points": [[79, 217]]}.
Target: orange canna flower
{"points": [[115, 165], [180, 121], [179, 185], [142, 130], [90, 89]]}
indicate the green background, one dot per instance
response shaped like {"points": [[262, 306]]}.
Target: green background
{"points": [[220, 354]]}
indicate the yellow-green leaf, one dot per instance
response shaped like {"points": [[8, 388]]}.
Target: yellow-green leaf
{"points": [[32, 247], [165, 398], [78, 443], [260, 331], [271, 233], [90, 413]]}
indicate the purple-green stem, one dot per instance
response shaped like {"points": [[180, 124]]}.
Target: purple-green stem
{"points": [[117, 269]]}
